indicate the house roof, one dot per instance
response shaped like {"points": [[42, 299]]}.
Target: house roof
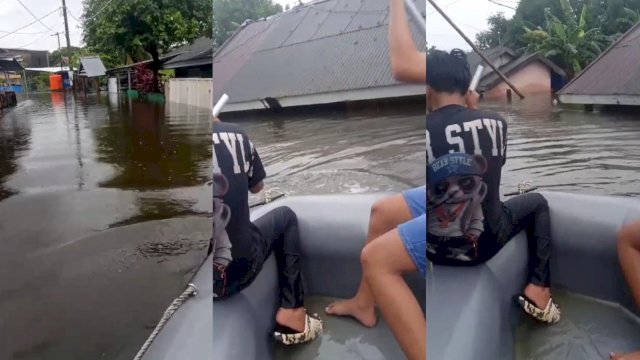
{"points": [[91, 66], [199, 52], [493, 79], [323, 47], [615, 72], [490, 78], [492, 54], [9, 64]]}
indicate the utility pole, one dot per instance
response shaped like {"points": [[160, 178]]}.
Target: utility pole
{"points": [[59, 50], [66, 31]]}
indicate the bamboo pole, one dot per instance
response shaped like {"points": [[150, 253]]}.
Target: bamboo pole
{"points": [[475, 48]]}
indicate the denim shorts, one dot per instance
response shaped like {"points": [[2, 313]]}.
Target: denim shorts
{"points": [[414, 232]]}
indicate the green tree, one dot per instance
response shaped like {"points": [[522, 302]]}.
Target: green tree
{"points": [[228, 15], [143, 29], [568, 40], [498, 24]]}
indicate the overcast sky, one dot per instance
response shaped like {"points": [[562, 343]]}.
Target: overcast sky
{"points": [[37, 36], [469, 15]]}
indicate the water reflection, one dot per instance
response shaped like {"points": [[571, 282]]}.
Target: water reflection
{"points": [[15, 139]]}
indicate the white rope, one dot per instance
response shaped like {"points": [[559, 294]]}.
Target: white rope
{"points": [[175, 305], [524, 186]]}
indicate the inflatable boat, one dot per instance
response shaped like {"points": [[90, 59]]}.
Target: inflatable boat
{"points": [[471, 313]]}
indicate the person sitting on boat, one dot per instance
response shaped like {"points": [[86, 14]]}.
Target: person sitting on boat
{"points": [[240, 247], [467, 222], [396, 236], [629, 255]]}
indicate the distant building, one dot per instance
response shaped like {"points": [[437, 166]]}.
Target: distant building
{"points": [[613, 78], [191, 60], [530, 73], [328, 51], [27, 58]]}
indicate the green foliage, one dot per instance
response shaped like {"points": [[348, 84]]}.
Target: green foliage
{"points": [[498, 25], [142, 29], [613, 17], [568, 40], [228, 15]]}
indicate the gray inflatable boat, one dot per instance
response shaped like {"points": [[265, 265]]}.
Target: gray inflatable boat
{"points": [[470, 311]]}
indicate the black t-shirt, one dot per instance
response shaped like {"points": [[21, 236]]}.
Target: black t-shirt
{"points": [[235, 158], [466, 150]]}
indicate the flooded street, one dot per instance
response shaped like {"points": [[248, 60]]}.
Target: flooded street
{"points": [[74, 282], [104, 202], [570, 150]]}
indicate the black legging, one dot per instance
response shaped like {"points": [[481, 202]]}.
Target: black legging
{"points": [[528, 212], [275, 231]]}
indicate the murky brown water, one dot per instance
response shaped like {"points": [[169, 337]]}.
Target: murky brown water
{"points": [[87, 265]]}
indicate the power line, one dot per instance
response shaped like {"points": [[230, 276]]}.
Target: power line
{"points": [[35, 17], [20, 28], [25, 33], [500, 4], [99, 11]]}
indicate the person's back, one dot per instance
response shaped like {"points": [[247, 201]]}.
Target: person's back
{"points": [[464, 191], [467, 222], [235, 158], [241, 247]]}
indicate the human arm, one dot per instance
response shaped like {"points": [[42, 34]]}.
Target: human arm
{"points": [[408, 64]]}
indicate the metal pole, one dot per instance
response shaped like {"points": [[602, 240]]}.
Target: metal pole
{"points": [[475, 48], [416, 15], [59, 49], [66, 31]]}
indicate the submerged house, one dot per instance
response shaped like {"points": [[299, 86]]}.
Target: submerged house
{"points": [[191, 60], [613, 78], [326, 51], [530, 73]]}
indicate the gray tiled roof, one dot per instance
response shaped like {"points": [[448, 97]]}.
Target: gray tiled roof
{"points": [[615, 72], [326, 46], [91, 66]]}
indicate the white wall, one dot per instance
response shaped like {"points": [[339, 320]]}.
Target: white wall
{"points": [[194, 92]]}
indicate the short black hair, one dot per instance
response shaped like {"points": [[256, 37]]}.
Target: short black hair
{"points": [[448, 72]]}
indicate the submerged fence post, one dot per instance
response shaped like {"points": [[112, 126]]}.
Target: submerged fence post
{"points": [[509, 96]]}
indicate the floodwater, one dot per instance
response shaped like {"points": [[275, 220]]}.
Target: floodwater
{"points": [[87, 263], [104, 202]]}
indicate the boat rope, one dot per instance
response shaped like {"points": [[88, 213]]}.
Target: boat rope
{"points": [[523, 188], [270, 195], [175, 305]]}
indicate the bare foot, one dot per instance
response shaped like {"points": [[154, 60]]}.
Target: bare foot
{"points": [[366, 315], [538, 294], [292, 318], [629, 356]]}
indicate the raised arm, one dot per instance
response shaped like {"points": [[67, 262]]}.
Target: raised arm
{"points": [[408, 64]]}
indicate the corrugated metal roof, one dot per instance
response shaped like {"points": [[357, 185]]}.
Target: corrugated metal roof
{"points": [[201, 47], [10, 65], [91, 66], [325, 46], [615, 72]]}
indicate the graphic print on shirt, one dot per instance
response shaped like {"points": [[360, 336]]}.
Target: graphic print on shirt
{"points": [[455, 191]]}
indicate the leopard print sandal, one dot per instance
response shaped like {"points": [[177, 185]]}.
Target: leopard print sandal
{"points": [[312, 328], [550, 314]]}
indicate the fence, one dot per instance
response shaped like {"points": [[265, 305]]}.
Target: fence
{"points": [[189, 91]]}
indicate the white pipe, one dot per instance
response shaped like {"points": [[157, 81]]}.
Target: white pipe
{"points": [[222, 102], [416, 15], [476, 78]]}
